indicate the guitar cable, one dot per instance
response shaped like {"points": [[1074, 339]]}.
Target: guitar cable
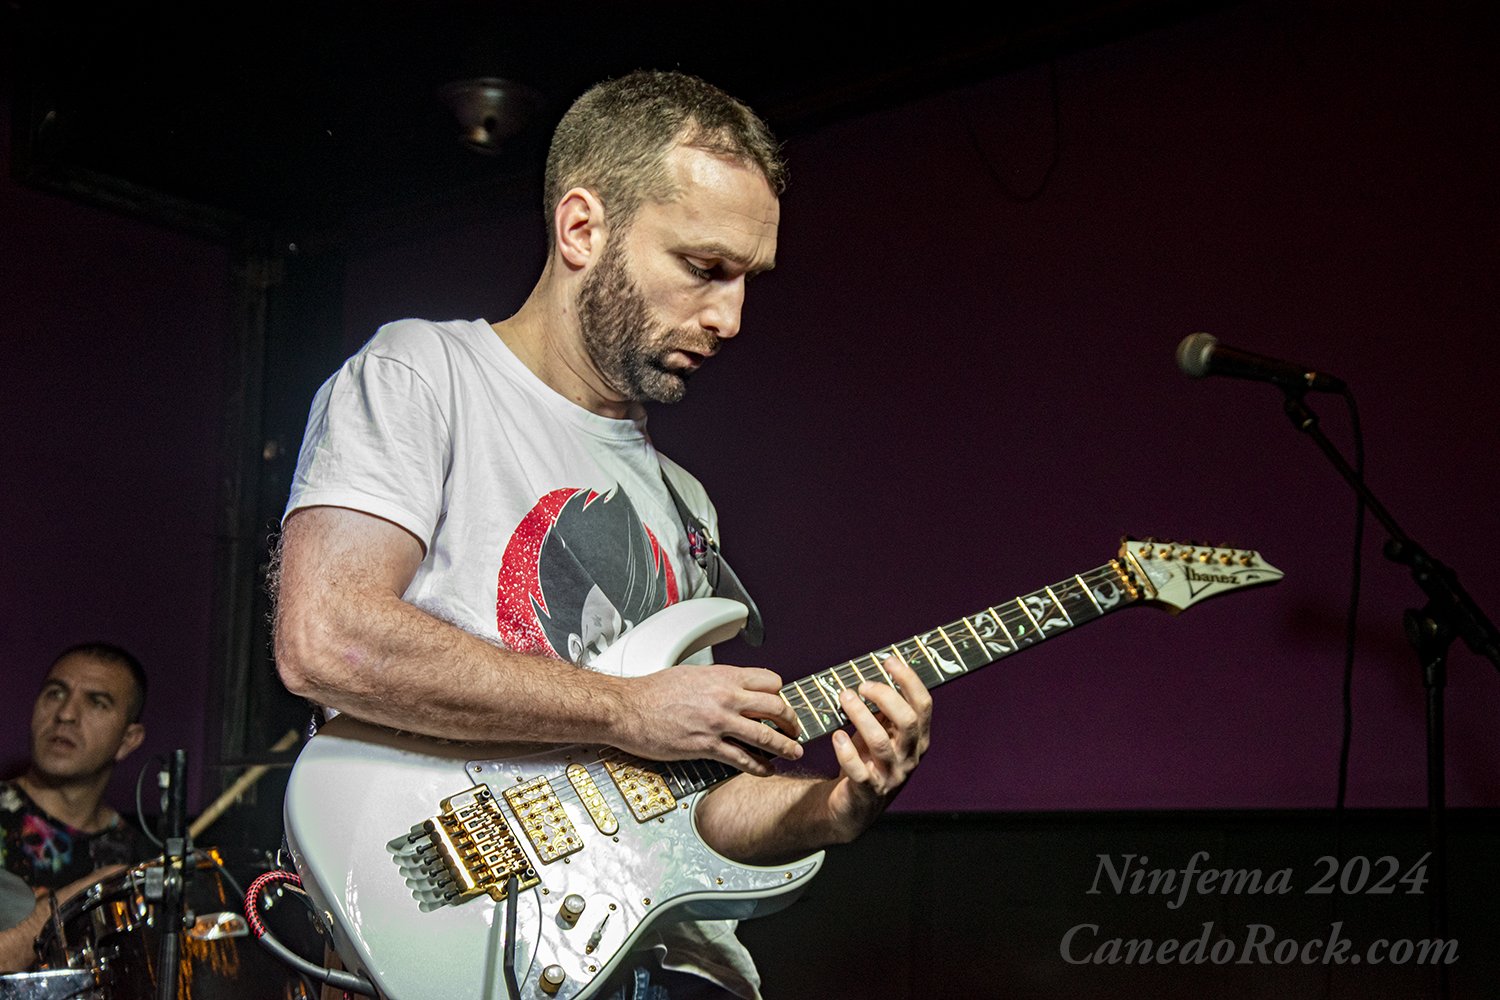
{"points": [[512, 889], [337, 978]]}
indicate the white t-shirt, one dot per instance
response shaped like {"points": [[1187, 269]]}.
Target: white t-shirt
{"points": [[545, 527]]}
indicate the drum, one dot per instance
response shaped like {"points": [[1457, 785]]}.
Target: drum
{"points": [[112, 929]]}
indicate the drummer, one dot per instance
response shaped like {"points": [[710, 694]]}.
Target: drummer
{"points": [[55, 827]]}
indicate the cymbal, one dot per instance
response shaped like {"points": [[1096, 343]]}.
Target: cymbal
{"points": [[16, 900]]}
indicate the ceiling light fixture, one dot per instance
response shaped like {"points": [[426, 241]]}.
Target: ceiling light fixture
{"points": [[490, 110]]}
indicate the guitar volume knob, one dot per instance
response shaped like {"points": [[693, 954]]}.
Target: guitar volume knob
{"points": [[552, 979], [572, 908]]}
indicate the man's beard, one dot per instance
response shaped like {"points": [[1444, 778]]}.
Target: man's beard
{"points": [[624, 340]]}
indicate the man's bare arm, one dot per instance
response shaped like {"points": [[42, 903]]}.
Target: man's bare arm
{"points": [[780, 818], [345, 638]]}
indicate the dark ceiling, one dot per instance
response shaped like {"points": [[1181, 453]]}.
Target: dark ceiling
{"points": [[327, 115]]}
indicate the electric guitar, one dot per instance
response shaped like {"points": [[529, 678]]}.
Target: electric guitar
{"points": [[408, 845]]}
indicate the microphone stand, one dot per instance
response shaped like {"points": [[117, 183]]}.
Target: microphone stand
{"points": [[1450, 613], [171, 915]]}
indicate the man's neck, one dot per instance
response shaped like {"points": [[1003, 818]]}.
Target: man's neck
{"points": [[78, 802], [544, 335]]}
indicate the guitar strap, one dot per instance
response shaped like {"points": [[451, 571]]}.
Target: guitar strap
{"points": [[721, 577]]}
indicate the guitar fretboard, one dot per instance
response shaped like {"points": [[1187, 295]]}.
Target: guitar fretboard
{"points": [[937, 656]]}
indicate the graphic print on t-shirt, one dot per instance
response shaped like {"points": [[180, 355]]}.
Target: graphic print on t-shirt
{"points": [[579, 570]]}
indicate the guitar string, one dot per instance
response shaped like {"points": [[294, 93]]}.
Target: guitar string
{"points": [[598, 771], [915, 650]]}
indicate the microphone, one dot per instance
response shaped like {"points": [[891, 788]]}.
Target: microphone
{"points": [[1201, 354]]}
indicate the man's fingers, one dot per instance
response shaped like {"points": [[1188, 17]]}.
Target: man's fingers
{"points": [[772, 708], [767, 702], [766, 739], [877, 739], [912, 688], [735, 715], [734, 754], [850, 761], [761, 679], [890, 703]]}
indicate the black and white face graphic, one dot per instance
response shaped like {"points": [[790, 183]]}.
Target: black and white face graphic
{"points": [[580, 569]]}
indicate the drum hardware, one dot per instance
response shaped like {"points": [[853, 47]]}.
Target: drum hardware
{"points": [[54, 984], [111, 933], [218, 926], [108, 941]]}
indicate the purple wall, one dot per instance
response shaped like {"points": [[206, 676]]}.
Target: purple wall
{"points": [[958, 386], [115, 333], [951, 392]]}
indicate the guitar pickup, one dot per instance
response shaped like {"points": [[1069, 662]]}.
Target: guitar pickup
{"points": [[470, 848], [645, 791], [543, 820], [593, 799]]}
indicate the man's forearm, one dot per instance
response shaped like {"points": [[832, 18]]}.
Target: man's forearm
{"points": [[346, 637], [401, 667], [769, 820]]}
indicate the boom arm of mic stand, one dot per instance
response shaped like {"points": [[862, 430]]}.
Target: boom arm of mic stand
{"points": [[1450, 611]]}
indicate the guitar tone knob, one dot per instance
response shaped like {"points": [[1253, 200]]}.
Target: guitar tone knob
{"points": [[572, 908], [552, 979]]}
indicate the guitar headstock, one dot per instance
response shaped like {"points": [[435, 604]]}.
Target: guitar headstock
{"points": [[1176, 576]]}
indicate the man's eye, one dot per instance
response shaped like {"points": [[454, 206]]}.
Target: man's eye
{"points": [[702, 274]]}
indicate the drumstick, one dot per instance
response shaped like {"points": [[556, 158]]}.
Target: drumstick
{"points": [[241, 785]]}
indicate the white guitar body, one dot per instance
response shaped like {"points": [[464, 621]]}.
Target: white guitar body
{"points": [[603, 846], [357, 791]]}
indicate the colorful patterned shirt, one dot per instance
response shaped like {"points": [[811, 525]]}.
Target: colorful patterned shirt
{"points": [[49, 853]]}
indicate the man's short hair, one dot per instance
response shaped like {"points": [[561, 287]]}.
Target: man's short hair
{"points": [[615, 138], [110, 653]]}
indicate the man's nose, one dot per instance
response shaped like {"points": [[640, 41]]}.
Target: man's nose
{"points": [[721, 314]]}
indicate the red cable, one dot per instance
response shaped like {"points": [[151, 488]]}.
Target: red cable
{"points": [[252, 897]]}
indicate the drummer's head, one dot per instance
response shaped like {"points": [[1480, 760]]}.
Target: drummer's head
{"points": [[87, 714]]}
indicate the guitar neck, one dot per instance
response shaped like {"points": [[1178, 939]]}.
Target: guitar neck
{"points": [[938, 656], [951, 651]]}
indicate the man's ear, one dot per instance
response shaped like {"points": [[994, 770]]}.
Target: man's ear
{"points": [[578, 227], [135, 735]]}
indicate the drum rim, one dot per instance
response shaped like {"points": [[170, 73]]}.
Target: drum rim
{"points": [[133, 877]]}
